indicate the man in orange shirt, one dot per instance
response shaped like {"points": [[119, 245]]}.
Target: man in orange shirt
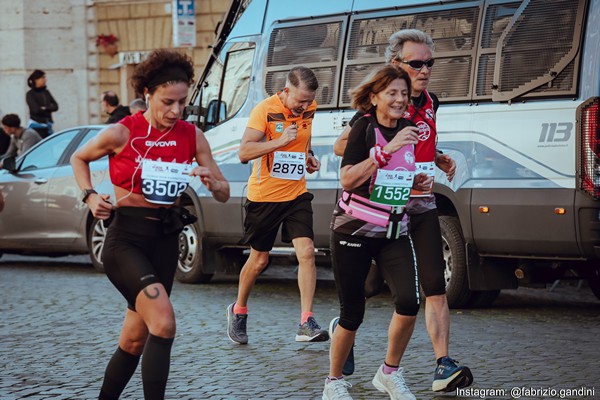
{"points": [[278, 139]]}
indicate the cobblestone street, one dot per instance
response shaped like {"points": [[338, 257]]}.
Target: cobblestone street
{"points": [[61, 320]]}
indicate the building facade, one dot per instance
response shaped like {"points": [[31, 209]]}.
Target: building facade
{"points": [[60, 37]]}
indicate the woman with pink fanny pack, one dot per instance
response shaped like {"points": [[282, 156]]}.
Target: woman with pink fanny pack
{"points": [[369, 223]]}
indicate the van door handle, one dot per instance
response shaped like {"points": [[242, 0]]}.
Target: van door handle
{"points": [[40, 181]]}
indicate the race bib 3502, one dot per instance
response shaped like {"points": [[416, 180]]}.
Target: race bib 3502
{"points": [[164, 182]]}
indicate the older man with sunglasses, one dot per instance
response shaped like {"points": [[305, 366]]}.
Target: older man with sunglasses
{"points": [[412, 51]]}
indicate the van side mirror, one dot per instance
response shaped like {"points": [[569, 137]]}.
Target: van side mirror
{"points": [[215, 113], [9, 164]]}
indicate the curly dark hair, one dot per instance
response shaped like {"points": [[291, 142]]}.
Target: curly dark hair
{"points": [[11, 120], [158, 62]]}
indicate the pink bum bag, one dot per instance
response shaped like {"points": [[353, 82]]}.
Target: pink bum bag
{"points": [[362, 208]]}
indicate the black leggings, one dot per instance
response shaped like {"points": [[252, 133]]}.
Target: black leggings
{"points": [[426, 237], [137, 253], [427, 243], [352, 256]]}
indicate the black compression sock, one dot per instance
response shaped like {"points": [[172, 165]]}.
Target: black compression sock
{"points": [[118, 372], [155, 366]]}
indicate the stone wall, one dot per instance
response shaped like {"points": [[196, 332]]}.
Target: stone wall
{"points": [[59, 37], [143, 26], [50, 36]]}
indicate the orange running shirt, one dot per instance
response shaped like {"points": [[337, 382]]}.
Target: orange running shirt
{"points": [[272, 117]]}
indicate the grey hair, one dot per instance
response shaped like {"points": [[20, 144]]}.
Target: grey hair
{"points": [[398, 39]]}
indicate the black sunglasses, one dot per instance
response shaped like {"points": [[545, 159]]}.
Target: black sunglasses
{"points": [[418, 64]]}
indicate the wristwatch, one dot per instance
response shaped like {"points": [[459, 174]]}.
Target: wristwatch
{"points": [[86, 193]]}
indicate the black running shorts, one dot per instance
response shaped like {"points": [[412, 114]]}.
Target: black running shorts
{"points": [[263, 220], [138, 253]]}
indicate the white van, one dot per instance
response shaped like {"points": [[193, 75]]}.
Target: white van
{"points": [[519, 86]]}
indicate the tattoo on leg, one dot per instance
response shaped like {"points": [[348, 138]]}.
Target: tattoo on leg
{"points": [[152, 295]]}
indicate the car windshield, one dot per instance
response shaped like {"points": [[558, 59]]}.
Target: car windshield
{"points": [[48, 153], [51, 152]]}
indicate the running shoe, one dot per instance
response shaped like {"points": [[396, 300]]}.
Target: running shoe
{"points": [[348, 368], [336, 389], [310, 331], [236, 326], [392, 384], [449, 376]]}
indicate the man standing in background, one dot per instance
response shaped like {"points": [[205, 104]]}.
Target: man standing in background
{"points": [[110, 105]]}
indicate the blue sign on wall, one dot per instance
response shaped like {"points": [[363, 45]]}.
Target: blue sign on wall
{"points": [[184, 23], [185, 8]]}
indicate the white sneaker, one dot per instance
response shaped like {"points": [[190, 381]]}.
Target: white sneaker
{"points": [[336, 389], [392, 384]]}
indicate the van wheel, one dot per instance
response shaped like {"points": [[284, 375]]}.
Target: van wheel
{"points": [[455, 273], [594, 282], [191, 257], [96, 237], [483, 298]]}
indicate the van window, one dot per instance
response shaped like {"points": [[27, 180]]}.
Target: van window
{"points": [[494, 50], [497, 18], [212, 84], [236, 81], [317, 46], [275, 82], [553, 28], [227, 83], [454, 32]]}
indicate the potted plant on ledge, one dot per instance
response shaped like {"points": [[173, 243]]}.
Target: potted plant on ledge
{"points": [[108, 43]]}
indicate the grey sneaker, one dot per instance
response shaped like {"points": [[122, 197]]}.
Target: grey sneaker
{"points": [[336, 389], [310, 331], [236, 326], [392, 384]]}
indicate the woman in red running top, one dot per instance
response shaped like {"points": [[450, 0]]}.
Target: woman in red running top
{"points": [[150, 164]]}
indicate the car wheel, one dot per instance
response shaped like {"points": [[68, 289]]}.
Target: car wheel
{"points": [[191, 257], [96, 237], [455, 273]]}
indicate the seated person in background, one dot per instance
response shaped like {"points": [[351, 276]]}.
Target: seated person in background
{"points": [[21, 139], [110, 105], [137, 105]]}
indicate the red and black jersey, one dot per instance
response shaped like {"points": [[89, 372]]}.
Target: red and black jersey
{"points": [[423, 115], [175, 145]]}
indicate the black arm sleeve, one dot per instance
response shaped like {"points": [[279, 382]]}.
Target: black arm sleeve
{"points": [[355, 118], [436, 102], [356, 149]]}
